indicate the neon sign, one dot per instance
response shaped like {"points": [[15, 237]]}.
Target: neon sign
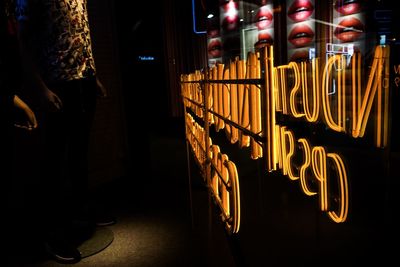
{"points": [[222, 173], [336, 98]]}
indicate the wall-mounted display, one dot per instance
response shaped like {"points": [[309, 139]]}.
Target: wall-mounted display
{"points": [[301, 34], [305, 114]]}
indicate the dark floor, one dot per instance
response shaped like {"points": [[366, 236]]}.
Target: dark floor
{"points": [[155, 226]]}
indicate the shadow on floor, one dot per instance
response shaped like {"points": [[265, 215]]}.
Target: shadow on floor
{"points": [[151, 204]]}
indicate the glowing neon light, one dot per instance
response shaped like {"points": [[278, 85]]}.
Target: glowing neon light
{"points": [[318, 163], [315, 159], [287, 152], [244, 140], [234, 103], [377, 85], [253, 72], [293, 92], [280, 145], [311, 116], [269, 129], [226, 103], [344, 191], [224, 186], [220, 96], [338, 126], [209, 89], [283, 88], [305, 166], [234, 197]]}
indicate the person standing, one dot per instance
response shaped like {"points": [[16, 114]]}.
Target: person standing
{"points": [[56, 49], [10, 105]]}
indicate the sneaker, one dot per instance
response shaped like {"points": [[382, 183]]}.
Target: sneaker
{"points": [[105, 220], [63, 252]]}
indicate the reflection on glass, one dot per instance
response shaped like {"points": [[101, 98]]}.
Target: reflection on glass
{"points": [[349, 29], [349, 21], [347, 7], [300, 29], [300, 10], [264, 19], [230, 16], [230, 26], [214, 42], [301, 35]]}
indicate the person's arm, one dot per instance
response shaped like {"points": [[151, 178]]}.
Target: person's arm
{"points": [[48, 99], [101, 90], [29, 122]]}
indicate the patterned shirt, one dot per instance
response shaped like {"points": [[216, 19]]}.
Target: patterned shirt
{"points": [[61, 37], [9, 55]]}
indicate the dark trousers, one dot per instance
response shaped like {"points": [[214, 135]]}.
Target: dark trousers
{"points": [[6, 162], [64, 185]]}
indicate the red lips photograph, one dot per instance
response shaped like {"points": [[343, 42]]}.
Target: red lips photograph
{"points": [[300, 10], [349, 29], [264, 21], [301, 35], [300, 29], [214, 48], [264, 18], [348, 7], [349, 24], [299, 55]]}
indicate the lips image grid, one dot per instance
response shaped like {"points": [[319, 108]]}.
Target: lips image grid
{"points": [[300, 28]]}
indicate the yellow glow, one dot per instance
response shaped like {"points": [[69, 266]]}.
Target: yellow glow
{"points": [[224, 194], [226, 110], [340, 61], [215, 151], [243, 100], [192, 91], [225, 189], [276, 77], [214, 89], [305, 166], [278, 147], [377, 84], [209, 92], [316, 158], [195, 135], [385, 82], [269, 102], [253, 72], [318, 163], [281, 71], [198, 94], [293, 92], [287, 152], [311, 116], [234, 103], [355, 89], [220, 96], [234, 196], [344, 191], [242, 104]]}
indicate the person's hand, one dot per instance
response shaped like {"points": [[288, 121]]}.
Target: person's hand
{"points": [[100, 89], [50, 101], [28, 122]]}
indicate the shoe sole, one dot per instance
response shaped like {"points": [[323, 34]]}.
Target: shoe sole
{"points": [[105, 223], [62, 259]]}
